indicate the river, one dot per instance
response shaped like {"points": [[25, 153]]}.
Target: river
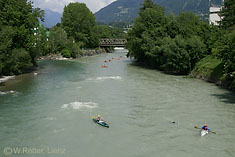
{"points": [[49, 112]]}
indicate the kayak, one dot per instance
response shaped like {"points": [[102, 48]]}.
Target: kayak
{"points": [[204, 132], [102, 123]]}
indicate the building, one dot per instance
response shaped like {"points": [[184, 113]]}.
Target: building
{"points": [[214, 15], [40, 26]]}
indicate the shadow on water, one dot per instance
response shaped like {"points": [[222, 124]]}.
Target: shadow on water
{"points": [[228, 97]]}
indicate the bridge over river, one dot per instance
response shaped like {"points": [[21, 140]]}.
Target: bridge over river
{"points": [[112, 42]]}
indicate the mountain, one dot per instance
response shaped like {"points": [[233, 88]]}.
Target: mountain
{"points": [[127, 10], [51, 18], [119, 11]]}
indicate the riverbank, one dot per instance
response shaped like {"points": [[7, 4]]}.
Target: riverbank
{"points": [[84, 53], [52, 56], [5, 78], [210, 69], [92, 52]]}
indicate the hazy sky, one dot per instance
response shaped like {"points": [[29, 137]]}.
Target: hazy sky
{"points": [[58, 5]]}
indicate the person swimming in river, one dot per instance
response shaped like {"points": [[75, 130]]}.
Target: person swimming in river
{"points": [[174, 122]]}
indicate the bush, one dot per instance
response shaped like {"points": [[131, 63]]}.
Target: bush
{"points": [[76, 50], [66, 53], [19, 62]]}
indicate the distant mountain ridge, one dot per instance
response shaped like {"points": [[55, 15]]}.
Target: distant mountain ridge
{"points": [[127, 10], [51, 18]]}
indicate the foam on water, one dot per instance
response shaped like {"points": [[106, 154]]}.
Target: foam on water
{"points": [[9, 92], [50, 118], [105, 78], [6, 78], [80, 105], [3, 93]]}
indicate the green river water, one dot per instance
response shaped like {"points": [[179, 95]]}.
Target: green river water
{"points": [[49, 114]]}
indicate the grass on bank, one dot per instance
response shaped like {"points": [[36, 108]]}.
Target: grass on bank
{"points": [[209, 68]]}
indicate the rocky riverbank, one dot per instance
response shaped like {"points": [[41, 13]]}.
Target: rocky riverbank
{"points": [[84, 53], [5, 78], [90, 52]]}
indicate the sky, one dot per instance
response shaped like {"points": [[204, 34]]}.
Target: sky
{"points": [[58, 5]]}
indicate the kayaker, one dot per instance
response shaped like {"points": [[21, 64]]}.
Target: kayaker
{"points": [[98, 118], [205, 127]]}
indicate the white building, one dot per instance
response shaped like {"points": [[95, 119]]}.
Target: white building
{"points": [[214, 15]]}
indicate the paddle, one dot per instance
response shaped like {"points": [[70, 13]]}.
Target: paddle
{"points": [[92, 117], [200, 128]]}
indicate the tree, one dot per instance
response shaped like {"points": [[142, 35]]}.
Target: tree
{"points": [[181, 55], [19, 62], [225, 47], [17, 20], [41, 41], [175, 44], [60, 43], [6, 35], [57, 39], [78, 21], [105, 31], [228, 14], [147, 29]]}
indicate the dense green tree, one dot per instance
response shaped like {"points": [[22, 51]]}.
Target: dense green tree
{"points": [[41, 45], [173, 43], [148, 28], [172, 27], [17, 20], [190, 25], [19, 62], [57, 39], [176, 57], [181, 54], [6, 35], [78, 21], [228, 14], [225, 47], [75, 50], [60, 43], [105, 31]]}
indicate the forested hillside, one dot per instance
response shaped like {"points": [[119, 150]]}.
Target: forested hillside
{"points": [[127, 10]]}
